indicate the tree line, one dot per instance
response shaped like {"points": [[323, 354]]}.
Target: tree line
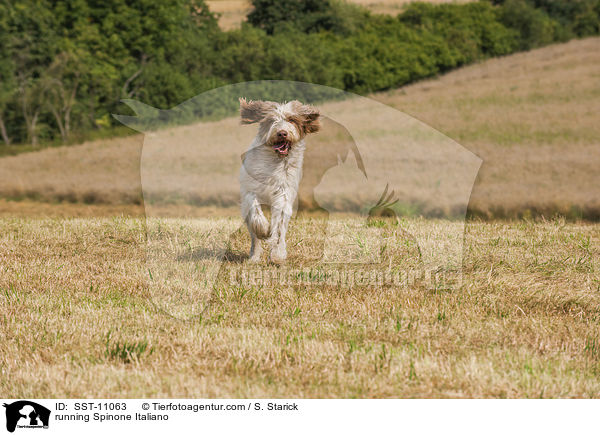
{"points": [[66, 64]]}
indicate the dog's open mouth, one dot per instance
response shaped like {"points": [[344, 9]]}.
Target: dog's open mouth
{"points": [[282, 147]]}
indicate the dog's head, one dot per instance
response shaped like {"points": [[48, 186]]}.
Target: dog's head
{"points": [[281, 125]]}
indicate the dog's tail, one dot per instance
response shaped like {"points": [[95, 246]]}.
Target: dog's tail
{"points": [[258, 222]]}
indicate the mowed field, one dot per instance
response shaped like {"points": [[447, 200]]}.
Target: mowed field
{"points": [[83, 315], [79, 319]]}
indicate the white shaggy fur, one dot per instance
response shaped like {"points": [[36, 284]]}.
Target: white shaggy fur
{"points": [[272, 169]]}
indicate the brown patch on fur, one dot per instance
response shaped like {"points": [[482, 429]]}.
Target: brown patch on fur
{"points": [[298, 122], [255, 111], [306, 118]]}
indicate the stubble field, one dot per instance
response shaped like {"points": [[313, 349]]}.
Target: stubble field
{"points": [[78, 321]]}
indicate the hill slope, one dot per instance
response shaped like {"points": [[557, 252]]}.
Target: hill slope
{"points": [[532, 117]]}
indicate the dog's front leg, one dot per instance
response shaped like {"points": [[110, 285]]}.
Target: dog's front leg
{"points": [[279, 254], [273, 240], [255, 248], [280, 218], [257, 225]]}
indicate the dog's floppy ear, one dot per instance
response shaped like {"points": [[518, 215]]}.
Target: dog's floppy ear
{"points": [[310, 118], [254, 111]]}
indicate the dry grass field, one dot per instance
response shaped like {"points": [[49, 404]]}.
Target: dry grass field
{"points": [[233, 12], [78, 321]]}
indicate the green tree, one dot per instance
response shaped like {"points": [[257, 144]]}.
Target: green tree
{"points": [[7, 73], [32, 44], [268, 14], [60, 85]]}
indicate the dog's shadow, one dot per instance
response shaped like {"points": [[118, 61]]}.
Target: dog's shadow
{"points": [[234, 252], [226, 256]]}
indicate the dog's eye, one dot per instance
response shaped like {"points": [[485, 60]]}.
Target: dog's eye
{"points": [[294, 120]]}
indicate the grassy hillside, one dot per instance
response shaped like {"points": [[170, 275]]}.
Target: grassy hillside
{"points": [[532, 117]]}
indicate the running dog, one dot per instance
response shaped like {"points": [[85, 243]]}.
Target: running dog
{"points": [[272, 169]]}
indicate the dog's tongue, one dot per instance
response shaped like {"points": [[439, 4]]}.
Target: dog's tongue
{"points": [[281, 148]]}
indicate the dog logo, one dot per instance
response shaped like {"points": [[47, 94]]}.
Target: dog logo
{"points": [[25, 414]]}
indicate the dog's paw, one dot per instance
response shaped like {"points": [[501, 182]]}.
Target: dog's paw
{"points": [[254, 259], [278, 256]]}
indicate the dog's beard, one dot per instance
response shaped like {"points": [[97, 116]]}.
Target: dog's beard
{"points": [[282, 147]]}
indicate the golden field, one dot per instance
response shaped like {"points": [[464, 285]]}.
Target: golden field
{"points": [[79, 320]]}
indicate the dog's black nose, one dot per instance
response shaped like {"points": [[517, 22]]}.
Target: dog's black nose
{"points": [[282, 133]]}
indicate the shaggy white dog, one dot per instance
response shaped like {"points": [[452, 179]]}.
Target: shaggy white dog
{"points": [[272, 169]]}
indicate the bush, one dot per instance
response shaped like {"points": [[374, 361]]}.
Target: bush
{"points": [[307, 16], [269, 14], [534, 27], [472, 31], [576, 17]]}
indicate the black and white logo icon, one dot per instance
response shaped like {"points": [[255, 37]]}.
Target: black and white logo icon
{"points": [[25, 414]]}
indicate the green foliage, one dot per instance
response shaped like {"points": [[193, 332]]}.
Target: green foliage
{"points": [[471, 31], [337, 16], [576, 17], [271, 14], [534, 26], [66, 64]]}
